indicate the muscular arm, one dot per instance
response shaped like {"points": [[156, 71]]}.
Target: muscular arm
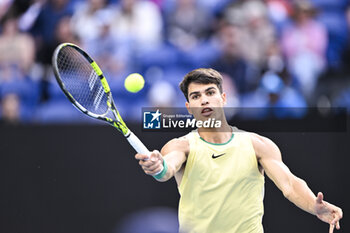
{"points": [[292, 187], [174, 153]]}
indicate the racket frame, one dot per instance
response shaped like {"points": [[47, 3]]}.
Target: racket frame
{"points": [[119, 124]]}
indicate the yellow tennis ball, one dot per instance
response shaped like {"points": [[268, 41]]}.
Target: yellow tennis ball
{"points": [[134, 82]]}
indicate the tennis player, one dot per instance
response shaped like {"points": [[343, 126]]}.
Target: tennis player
{"points": [[220, 171]]}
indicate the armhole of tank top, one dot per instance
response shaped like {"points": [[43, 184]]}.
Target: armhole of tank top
{"points": [[247, 134], [190, 136]]}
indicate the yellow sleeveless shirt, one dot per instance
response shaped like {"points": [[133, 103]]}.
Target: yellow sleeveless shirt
{"points": [[221, 190]]}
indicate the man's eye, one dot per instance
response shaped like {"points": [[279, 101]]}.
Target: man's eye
{"points": [[211, 93], [194, 97]]}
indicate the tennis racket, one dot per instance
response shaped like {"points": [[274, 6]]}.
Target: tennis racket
{"points": [[84, 84]]}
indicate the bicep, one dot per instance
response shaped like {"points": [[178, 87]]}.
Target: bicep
{"points": [[270, 159]]}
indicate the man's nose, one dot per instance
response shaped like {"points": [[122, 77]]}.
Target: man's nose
{"points": [[204, 101]]}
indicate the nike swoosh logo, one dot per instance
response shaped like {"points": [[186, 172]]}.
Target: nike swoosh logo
{"points": [[217, 156]]}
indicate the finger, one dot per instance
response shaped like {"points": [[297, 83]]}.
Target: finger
{"points": [[336, 222], [152, 167], [149, 172], [141, 156], [338, 225], [340, 213], [319, 198], [155, 155], [331, 228], [155, 166], [153, 172], [146, 163], [337, 216], [141, 162]]}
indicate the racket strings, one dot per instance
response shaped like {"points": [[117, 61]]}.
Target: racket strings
{"points": [[81, 81]]}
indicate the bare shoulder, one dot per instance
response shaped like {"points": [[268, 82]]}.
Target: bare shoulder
{"points": [[177, 144], [263, 146], [259, 140]]}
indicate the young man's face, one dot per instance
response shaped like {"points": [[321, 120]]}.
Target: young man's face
{"points": [[205, 101]]}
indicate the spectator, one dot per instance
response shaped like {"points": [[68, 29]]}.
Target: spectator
{"points": [[138, 25], [278, 13], [10, 109], [258, 34], [273, 98], [44, 29], [187, 24], [89, 20], [64, 33], [231, 61], [304, 45], [5, 6], [332, 14], [16, 48], [166, 91], [113, 57], [101, 43], [216, 7], [18, 92], [45, 25]]}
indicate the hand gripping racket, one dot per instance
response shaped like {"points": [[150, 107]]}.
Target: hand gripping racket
{"points": [[84, 84]]}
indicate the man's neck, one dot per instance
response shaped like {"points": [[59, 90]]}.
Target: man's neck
{"points": [[216, 135]]}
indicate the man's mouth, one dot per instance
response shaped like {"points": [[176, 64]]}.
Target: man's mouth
{"points": [[207, 112]]}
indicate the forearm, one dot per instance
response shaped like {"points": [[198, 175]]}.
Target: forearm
{"points": [[172, 163], [301, 195]]}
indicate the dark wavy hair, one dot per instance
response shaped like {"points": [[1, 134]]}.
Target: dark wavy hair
{"points": [[202, 76]]}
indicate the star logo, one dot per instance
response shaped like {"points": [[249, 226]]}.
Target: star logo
{"points": [[156, 115], [151, 119]]}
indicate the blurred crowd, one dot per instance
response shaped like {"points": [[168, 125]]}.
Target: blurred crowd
{"points": [[272, 53]]}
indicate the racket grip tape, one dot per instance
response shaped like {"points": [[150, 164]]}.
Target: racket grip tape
{"points": [[136, 143], [140, 148]]}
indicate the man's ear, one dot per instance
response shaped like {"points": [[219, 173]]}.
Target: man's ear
{"points": [[224, 99], [188, 108]]}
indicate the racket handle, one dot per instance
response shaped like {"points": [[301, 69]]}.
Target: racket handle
{"points": [[140, 148], [136, 143]]}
